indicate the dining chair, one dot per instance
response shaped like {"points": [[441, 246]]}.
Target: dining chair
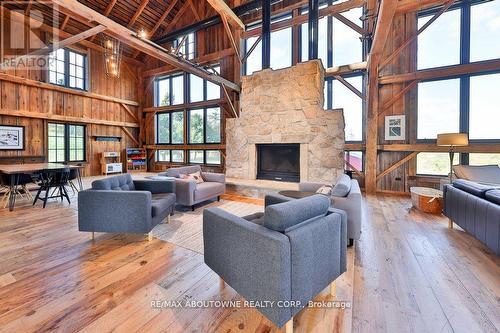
{"points": [[20, 190], [56, 180]]}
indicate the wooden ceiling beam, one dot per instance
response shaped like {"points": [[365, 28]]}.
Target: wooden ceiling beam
{"points": [[193, 9], [442, 72], [107, 11], [63, 43], [223, 9], [60, 33], [65, 22], [137, 13], [344, 69], [177, 16], [163, 17], [227, 28], [130, 38]]}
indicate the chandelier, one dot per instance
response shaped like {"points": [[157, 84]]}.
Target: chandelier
{"points": [[112, 55]]}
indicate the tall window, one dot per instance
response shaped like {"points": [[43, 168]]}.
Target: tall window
{"points": [[188, 47], [203, 90], [66, 143], [467, 103], [438, 108], [170, 128], [68, 69], [280, 52], [338, 96], [338, 44], [442, 35], [204, 126], [169, 90]]}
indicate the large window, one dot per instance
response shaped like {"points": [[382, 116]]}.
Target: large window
{"points": [[169, 90], [281, 48], [68, 69], [438, 108], [338, 44], [338, 96], [203, 90], [467, 103], [467, 32], [66, 143], [204, 126], [170, 128], [484, 113], [435, 163], [442, 35], [188, 47]]}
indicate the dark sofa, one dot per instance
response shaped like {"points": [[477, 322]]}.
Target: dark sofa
{"points": [[121, 205], [476, 209]]}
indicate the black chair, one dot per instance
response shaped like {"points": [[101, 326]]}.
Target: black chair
{"points": [[56, 180], [20, 190], [73, 175]]}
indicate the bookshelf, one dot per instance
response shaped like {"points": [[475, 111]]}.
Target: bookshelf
{"points": [[136, 160]]}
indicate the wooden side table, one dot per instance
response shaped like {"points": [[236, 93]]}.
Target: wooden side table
{"points": [[427, 199]]}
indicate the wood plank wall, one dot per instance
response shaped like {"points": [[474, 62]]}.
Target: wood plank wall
{"points": [[45, 101]]}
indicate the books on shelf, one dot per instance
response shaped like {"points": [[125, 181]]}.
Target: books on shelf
{"points": [[136, 159]]}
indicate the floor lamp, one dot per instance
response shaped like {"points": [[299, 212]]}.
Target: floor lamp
{"points": [[452, 140]]}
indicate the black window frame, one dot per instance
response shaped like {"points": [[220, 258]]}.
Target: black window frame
{"points": [[175, 44], [188, 126], [170, 78], [66, 142], [187, 88], [257, 24], [66, 70], [169, 127], [329, 101], [464, 80]]}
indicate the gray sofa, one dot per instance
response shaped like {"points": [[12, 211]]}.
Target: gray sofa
{"points": [[121, 205], [290, 253], [476, 209], [189, 193], [346, 195]]}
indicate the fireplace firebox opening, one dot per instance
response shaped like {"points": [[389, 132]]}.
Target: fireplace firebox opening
{"points": [[278, 161]]}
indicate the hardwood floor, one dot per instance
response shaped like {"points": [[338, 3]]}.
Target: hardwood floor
{"points": [[408, 273]]}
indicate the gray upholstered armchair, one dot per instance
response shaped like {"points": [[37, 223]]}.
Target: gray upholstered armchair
{"points": [[346, 195], [121, 205], [189, 193], [289, 253]]}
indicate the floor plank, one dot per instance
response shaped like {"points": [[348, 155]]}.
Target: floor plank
{"points": [[407, 273]]}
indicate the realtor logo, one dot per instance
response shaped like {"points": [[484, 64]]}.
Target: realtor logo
{"points": [[28, 30]]}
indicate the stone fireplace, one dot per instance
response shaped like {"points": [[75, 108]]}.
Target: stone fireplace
{"points": [[286, 107]]}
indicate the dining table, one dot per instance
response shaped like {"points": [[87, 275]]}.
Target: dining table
{"points": [[15, 170]]}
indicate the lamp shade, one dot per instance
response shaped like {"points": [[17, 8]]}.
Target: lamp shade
{"points": [[452, 139]]}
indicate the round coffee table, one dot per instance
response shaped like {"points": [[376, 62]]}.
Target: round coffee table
{"points": [[296, 194], [427, 199]]}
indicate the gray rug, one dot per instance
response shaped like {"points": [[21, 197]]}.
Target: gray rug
{"points": [[186, 228]]}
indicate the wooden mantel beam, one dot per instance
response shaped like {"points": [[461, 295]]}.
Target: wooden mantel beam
{"points": [[130, 38], [223, 9]]}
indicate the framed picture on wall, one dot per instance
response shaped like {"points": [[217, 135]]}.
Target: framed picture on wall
{"points": [[395, 128], [11, 137]]}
